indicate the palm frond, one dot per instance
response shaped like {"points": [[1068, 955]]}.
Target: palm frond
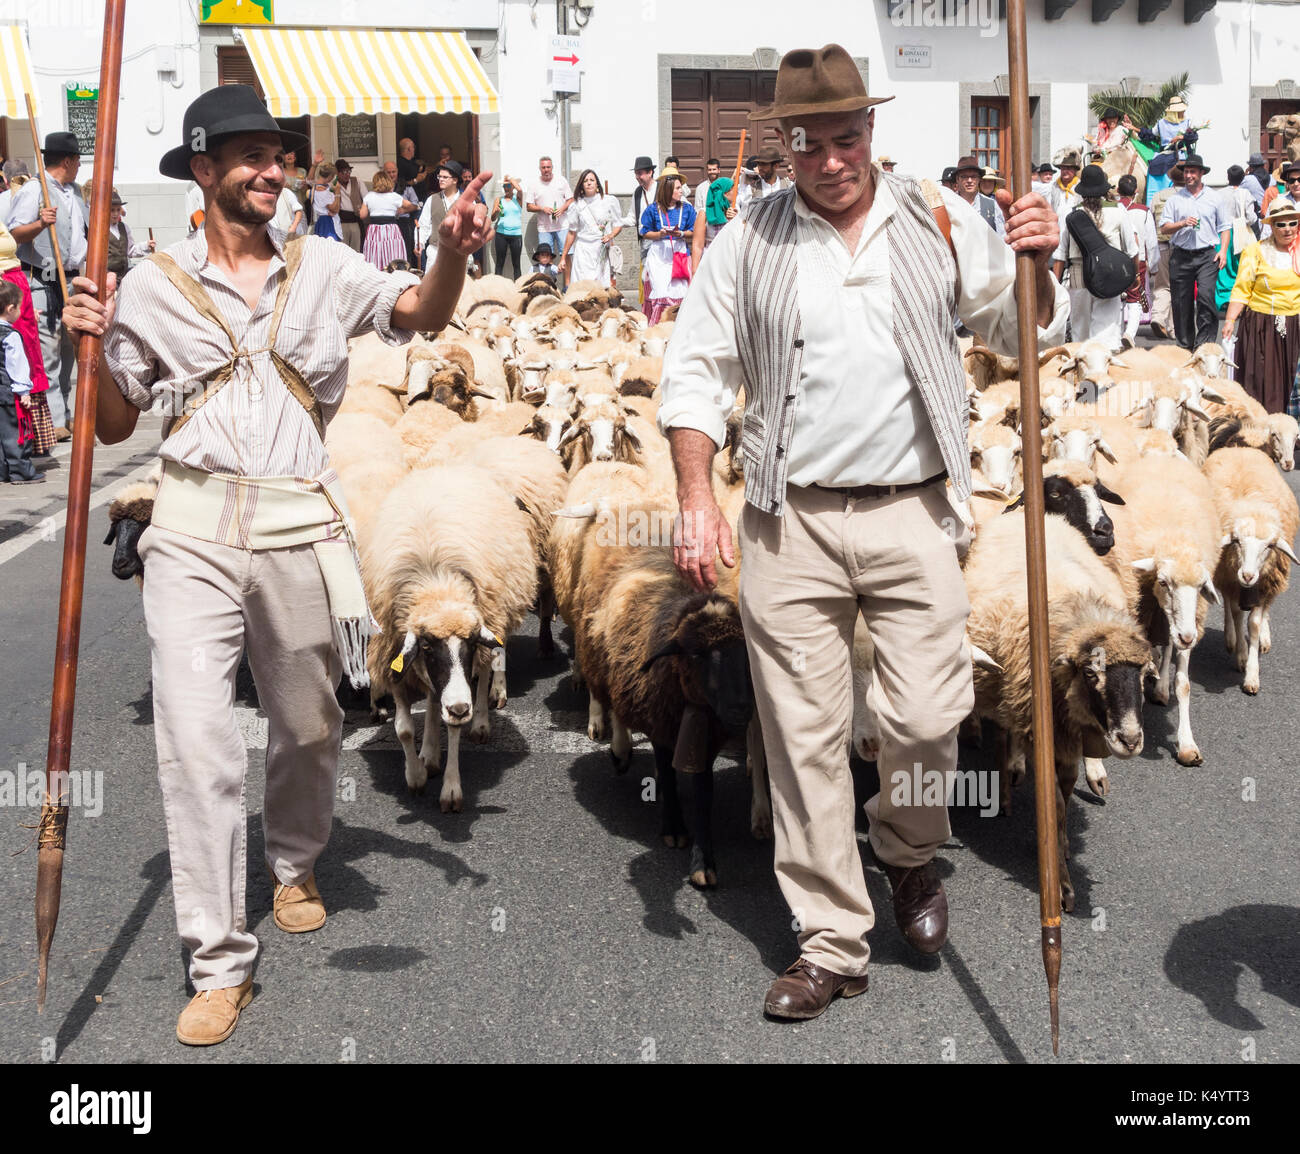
{"points": [[1144, 111]]}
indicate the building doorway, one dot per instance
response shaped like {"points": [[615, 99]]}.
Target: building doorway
{"points": [[710, 107]]}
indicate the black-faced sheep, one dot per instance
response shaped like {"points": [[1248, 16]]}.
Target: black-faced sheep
{"points": [[129, 515]]}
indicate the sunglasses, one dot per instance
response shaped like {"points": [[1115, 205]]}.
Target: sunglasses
{"points": [[1286, 223]]}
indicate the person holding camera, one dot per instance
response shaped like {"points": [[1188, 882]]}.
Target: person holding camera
{"points": [[508, 216]]}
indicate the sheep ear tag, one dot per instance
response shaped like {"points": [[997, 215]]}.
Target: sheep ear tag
{"points": [[398, 664]]}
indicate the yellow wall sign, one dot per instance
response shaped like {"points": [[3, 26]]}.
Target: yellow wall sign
{"points": [[236, 12]]}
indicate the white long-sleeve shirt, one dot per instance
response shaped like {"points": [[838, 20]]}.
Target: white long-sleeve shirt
{"points": [[859, 419]]}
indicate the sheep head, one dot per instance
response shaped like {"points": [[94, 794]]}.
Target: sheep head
{"points": [[707, 650], [1177, 578], [1284, 433], [1092, 361], [1098, 673], [995, 451], [1071, 490], [1253, 541], [1076, 439], [548, 425], [600, 435]]}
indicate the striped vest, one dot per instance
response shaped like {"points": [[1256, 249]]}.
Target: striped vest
{"points": [[768, 334]]}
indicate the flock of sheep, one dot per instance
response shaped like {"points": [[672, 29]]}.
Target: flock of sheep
{"points": [[514, 464]]}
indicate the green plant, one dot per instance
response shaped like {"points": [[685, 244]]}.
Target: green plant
{"points": [[1144, 111]]}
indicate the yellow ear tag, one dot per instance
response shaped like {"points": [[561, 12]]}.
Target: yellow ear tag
{"points": [[398, 662], [498, 640]]}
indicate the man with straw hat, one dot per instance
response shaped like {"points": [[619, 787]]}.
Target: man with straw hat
{"points": [[832, 305], [241, 334]]}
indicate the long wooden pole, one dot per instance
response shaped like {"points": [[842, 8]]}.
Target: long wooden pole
{"points": [[1049, 882], [54, 813], [735, 178], [45, 192]]}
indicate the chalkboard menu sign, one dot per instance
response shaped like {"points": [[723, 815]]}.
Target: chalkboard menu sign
{"points": [[83, 109], [358, 136]]}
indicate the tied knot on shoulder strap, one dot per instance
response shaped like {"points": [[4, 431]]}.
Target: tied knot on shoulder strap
{"points": [[215, 381]]}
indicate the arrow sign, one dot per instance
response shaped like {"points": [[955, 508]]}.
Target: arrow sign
{"points": [[566, 59]]}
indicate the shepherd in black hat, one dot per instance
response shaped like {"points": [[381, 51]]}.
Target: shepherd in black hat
{"points": [[243, 338], [29, 221], [1199, 230], [644, 171], [122, 248]]}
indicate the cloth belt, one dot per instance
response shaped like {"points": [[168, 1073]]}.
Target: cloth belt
{"points": [[258, 513], [382, 220], [348, 217], [881, 490]]}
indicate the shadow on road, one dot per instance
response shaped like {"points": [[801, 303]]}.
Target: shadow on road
{"points": [[1206, 959]]}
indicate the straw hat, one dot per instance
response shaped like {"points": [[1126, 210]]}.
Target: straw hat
{"points": [[1282, 208], [992, 174]]}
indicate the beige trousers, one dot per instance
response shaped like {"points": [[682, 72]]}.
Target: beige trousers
{"points": [[351, 232], [803, 581], [203, 603], [1162, 311]]}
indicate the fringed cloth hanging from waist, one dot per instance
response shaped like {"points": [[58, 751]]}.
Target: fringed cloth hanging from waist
{"points": [[259, 513]]}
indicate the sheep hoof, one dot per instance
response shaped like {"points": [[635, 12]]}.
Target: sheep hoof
{"points": [[596, 730], [760, 824], [1250, 687], [1265, 646], [576, 679], [480, 732], [676, 840], [621, 764], [1190, 756], [1157, 696], [866, 749], [1101, 787], [497, 699], [704, 879], [450, 801], [1067, 897]]}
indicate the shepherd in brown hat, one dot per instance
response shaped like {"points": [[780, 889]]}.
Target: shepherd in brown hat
{"points": [[766, 164], [831, 305], [970, 176]]}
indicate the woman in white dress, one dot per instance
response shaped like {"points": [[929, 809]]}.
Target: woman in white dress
{"points": [[594, 221], [668, 224]]}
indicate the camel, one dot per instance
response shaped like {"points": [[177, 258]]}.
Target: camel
{"points": [[1288, 124]]}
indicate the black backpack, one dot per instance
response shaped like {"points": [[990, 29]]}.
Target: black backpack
{"points": [[1107, 272]]}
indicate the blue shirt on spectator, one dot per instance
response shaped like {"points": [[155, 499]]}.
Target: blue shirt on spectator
{"points": [[1205, 205]]}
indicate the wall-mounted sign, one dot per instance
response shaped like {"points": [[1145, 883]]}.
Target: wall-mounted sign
{"points": [[83, 110], [236, 12], [563, 64], [358, 136], [912, 56]]}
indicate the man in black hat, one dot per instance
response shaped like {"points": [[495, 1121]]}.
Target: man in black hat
{"points": [[242, 336], [1041, 180], [122, 246], [29, 221], [643, 168], [949, 178], [1199, 231], [1256, 179], [435, 209]]}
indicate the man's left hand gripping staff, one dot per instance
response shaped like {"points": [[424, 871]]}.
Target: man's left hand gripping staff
{"points": [[1033, 226]]}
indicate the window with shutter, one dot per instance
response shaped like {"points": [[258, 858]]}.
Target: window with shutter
{"points": [[235, 66]]}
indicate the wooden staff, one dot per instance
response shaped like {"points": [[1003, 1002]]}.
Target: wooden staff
{"points": [[54, 813], [735, 177], [1049, 882], [45, 192]]}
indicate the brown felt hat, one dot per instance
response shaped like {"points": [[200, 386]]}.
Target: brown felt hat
{"points": [[815, 81], [968, 164], [768, 154]]}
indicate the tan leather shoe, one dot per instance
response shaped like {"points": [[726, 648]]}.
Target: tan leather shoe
{"points": [[805, 990], [211, 1015], [63, 433], [298, 909]]}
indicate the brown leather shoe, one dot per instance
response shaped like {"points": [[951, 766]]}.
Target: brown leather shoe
{"points": [[920, 905], [298, 909], [63, 433], [805, 990], [212, 1014]]}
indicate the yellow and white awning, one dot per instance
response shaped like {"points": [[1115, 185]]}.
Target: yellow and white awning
{"points": [[327, 71], [15, 73]]}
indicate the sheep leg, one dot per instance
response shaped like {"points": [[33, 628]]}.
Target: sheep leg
{"points": [[704, 869], [760, 802], [480, 728], [1018, 758], [620, 744], [1229, 621], [1243, 640], [545, 615], [595, 719], [431, 745], [1187, 754], [451, 798], [671, 826], [497, 700], [866, 728], [1254, 622], [1067, 773], [1094, 769], [404, 724], [1265, 634], [576, 674], [1160, 694], [1001, 766]]}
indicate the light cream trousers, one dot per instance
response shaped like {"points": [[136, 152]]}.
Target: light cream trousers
{"points": [[203, 604], [803, 581]]}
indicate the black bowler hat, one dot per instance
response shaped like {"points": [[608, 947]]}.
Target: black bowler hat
{"points": [[227, 110], [61, 144], [544, 248], [452, 166], [643, 162], [1093, 182]]}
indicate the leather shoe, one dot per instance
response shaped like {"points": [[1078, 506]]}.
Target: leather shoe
{"points": [[62, 433], [298, 909], [920, 905], [212, 1014], [805, 990]]}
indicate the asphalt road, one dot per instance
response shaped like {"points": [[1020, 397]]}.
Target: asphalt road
{"points": [[547, 921]]}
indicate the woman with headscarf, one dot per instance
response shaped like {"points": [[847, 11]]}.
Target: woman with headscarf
{"points": [[34, 424], [1266, 301], [594, 221]]}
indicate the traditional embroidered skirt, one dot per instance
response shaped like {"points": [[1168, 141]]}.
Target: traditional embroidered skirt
{"points": [[1268, 350], [384, 244]]}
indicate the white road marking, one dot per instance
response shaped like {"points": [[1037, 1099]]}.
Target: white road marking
{"points": [[48, 528]]}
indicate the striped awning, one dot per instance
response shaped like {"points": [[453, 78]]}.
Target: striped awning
{"points": [[326, 71], [15, 73]]}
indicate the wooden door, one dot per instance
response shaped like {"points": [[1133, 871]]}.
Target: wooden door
{"points": [[710, 108]]}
